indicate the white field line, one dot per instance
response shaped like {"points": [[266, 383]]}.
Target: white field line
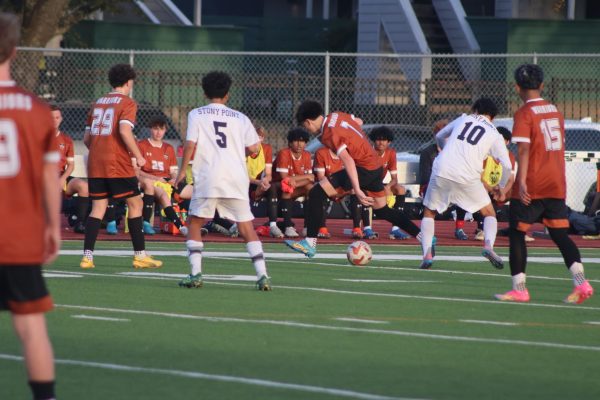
{"points": [[365, 321], [304, 325], [476, 321], [384, 281], [219, 378], [323, 256], [83, 316], [592, 322], [236, 256], [245, 278], [54, 275], [350, 292]]}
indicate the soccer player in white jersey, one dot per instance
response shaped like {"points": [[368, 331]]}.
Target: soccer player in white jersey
{"points": [[221, 138], [456, 175]]}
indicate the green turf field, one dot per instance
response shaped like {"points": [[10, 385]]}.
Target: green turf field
{"points": [[327, 330]]}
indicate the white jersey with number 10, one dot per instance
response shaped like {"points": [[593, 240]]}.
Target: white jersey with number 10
{"points": [[219, 167], [469, 140]]}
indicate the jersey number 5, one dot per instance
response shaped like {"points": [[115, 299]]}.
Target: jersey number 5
{"points": [[102, 121], [221, 138]]}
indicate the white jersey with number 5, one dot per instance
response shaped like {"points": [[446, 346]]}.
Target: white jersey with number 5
{"points": [[221, 135], [469, 140]]}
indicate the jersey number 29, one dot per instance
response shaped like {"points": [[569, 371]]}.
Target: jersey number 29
{"points": [[102, 121]]}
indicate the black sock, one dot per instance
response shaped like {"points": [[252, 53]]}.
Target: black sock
{"points": [[83, 205], [517, 251], [567, 247], [356, 211], [460, 214], [42, 390], [172, 216], [148, 207], [323, 221], [314, 208], [366, 215], [400, 200], [272, 203], [137, 233], [286, 210], [111, 212], [398, 218], [92, 227]]}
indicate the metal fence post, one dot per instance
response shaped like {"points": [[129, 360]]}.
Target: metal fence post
{"points": [[131, 62], [327, 73]]}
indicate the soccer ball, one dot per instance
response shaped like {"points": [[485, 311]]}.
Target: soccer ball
{"points": [[359, 253]]}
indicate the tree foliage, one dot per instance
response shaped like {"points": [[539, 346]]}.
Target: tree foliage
{"points": [[44, 19]]}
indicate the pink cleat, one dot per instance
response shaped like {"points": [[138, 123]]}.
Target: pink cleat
{"points": [[580, 293], [517, 296]]}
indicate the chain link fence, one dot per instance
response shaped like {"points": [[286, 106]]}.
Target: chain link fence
{"points": [[407, 92]]}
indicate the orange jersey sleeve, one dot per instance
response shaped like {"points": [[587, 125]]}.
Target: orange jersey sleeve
{"points": [[282, 164], [66, 150], [108, 156], [268, 149], [342, 132]]}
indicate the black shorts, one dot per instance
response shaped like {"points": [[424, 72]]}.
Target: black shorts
{"points": [[551, 212], [370, 181], [117, 188], [23, 290]]}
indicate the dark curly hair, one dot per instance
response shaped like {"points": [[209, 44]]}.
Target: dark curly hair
{"points": [[381, 133], [309, 109], [297, 134], [529, 76], [485, 106], [505, 132], [120, 74], [216, 84]]}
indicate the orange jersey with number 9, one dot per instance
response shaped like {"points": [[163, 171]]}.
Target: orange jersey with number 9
{"points": [[108, 156]]}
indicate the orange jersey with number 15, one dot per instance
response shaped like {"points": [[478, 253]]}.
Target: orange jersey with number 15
{"points": [[540, 124], [108, 156]]}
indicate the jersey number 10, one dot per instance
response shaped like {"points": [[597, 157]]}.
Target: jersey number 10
{"points": [[474, 135]]}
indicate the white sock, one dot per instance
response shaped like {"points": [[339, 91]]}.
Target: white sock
{"points": [[272, 223], [490, 229], [427, 231], [518, 282], [312, 241], [367, 227], [255, 250], [395, 228], [89, 254], [195, 255], [577, 272], [141, 253]]}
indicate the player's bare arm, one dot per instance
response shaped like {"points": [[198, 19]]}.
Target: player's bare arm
{"points": [[126, 132], [51, 203], [66, 173], [523, 163], [350, 167], [87, 138]]}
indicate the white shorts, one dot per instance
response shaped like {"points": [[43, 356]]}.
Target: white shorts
{"points": [[442, 192], [237, 210]]}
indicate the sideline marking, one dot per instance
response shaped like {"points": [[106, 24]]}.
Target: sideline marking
{"points": [[350, 292], [366, 321], [220, 378], [476, 321], [324, 256], [60, 275], [384, 281], [304, 325], [83, 316], [592, 322], [244, 278]]}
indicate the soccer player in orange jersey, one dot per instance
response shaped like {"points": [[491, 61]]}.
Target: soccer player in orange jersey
{"points": [[160, 168], [382, 137], [69, 184], [326, 163], [28, 180], [362, 172], [293, 166], [109, 138], [539, 190]]}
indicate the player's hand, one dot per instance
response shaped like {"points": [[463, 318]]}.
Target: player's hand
{"points": [[363, 198], [51, 244], [524, 194], [141, 161], [265, 184], [179, 179]]}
